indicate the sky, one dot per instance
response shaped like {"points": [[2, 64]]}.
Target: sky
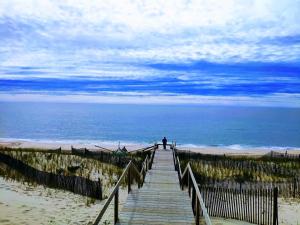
{"points": [[221, 52]]}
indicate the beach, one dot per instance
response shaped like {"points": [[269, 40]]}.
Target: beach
{"points": [[28, 202], [66, 145], [150, 112], [21, 203], [289, 211], [24, 201], [245, 151], [220, 150]]}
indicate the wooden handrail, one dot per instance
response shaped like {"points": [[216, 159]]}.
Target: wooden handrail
{"points": [[197, 198], [115, 193], [185, 171], [171, 145], [204, 210], [106, 149], [139, 175], [144, 169], [151, 159], [115, 190], [149, 148], [143, 149]]}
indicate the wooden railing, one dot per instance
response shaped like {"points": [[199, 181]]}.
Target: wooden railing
{"points": [[187, 178], [150, 148], [129, 171]]}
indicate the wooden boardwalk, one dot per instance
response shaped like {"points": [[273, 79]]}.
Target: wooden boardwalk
{"points": [[160, 200]]}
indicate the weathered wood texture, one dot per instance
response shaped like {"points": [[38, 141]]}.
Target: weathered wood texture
{"points": [[255, 206], [78, 185], [160, 200]]}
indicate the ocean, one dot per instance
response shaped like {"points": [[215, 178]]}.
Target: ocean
{"points": [[189, 125]]}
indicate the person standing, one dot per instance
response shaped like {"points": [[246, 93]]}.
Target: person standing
{"points": [[164, 141]]}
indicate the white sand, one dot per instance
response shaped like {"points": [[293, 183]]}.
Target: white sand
{"points": [[65, 145], [234, 150], [289, 211], [50, 206], [223, 221], [22, 204]]}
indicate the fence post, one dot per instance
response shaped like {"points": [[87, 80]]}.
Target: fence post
{"points": [[117, 206], [197, 211], [99, 181], [275, 209], [294, 191], [194, 199]]}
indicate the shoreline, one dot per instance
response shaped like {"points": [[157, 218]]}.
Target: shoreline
{"points": [[37, 206], [66, 146], [214, 150], [243, 152]]}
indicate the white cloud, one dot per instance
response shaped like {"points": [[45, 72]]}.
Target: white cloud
{"points": [[158, 30], [115, 39], [277, 99]]}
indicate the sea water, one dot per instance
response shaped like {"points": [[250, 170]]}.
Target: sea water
{"points": [[190, 125]]}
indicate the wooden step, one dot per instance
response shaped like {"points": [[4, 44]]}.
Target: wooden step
{"points": [[160, 200]]}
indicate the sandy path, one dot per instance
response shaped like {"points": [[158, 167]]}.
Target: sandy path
{"points": [[22, 204], [289, 211]]}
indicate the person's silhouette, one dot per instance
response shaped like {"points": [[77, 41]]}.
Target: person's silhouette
{"points": [[164, 141]]}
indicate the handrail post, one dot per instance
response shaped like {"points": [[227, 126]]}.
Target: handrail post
{"points": [[194, 199], [197, 201], [197, 211], [117, 206], [129, 179], [174, 159], [189, 183], [153, 153], [150, 161], [275, 206], [115, 194]]}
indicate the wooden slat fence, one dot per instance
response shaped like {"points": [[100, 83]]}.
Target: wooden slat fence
{"points": [[76, 184], [275, 154], [285, 177], [118, 159], [187, 179], [285, 189], [254, 206]]}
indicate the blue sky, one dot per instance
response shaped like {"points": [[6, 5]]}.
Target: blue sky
{"points": [[244, 52]]}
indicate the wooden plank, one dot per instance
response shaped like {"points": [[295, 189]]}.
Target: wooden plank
{"points": [[215, 202], [252, 206], [248, 198], [240, 206], [160, 200]]}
